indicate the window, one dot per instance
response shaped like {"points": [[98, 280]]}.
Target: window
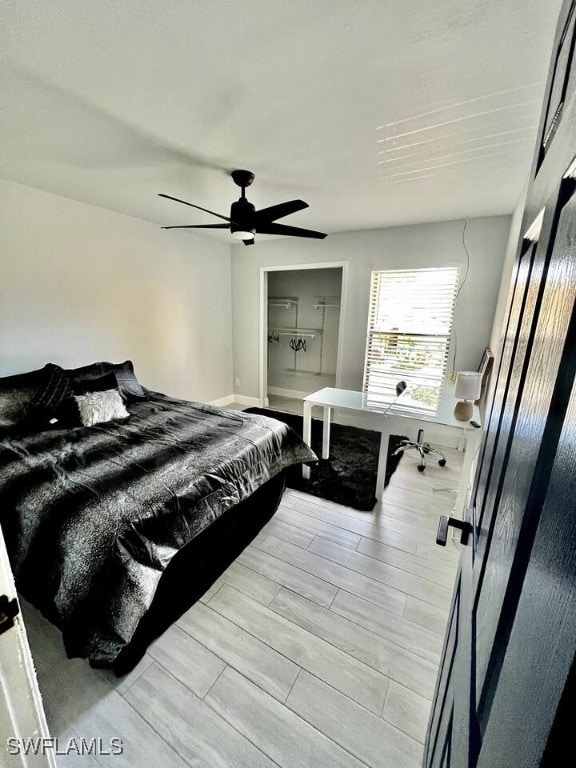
{"points": [[409, 328]]}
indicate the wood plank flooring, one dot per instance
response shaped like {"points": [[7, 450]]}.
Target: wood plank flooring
{"points": [[318, 648]]}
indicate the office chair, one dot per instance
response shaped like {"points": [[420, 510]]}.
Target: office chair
{"points": [[422, 448]]}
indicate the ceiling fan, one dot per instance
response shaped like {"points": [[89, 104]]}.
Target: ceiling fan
{"points": [[245, 221]]}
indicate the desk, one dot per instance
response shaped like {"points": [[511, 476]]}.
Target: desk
{"points": [[388, 417]]}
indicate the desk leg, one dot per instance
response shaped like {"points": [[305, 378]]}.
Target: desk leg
{"points": [[307, 434], [382, 461], [326, 432], [470, 449]]}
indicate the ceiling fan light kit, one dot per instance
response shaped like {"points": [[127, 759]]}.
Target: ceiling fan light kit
{"points": [[245, 221], [242, 234]]}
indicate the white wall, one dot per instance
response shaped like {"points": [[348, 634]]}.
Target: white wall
{"points": [[497, 336], [80, 284], [423, 245]]}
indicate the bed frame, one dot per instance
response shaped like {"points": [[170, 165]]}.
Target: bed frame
{"points": [[197, 566]]}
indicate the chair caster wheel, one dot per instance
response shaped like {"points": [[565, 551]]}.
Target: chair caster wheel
{"points": [[442, 462], [421, 467]]}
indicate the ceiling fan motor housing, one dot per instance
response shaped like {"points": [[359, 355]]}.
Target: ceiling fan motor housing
{"points": [[242, 215], [242, 178]]}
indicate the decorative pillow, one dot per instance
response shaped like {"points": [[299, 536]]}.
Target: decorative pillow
{"points": [[126, 380], [50, 407], [128, 384], [99, 407], [88, 372], [95, 385], [54, 388]]}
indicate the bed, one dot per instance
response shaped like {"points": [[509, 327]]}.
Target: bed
{"points": [[114, 529]]}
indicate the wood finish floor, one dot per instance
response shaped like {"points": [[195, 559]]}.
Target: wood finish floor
{"points": [[318, 648]]}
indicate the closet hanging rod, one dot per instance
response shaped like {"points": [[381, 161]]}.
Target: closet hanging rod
{"points": [[283, 301], [326, 301], [301, 332]]}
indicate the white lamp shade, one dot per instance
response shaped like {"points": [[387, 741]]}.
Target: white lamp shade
{"points": [[468, 385]]}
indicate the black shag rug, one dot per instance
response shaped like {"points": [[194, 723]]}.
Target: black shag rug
{"points": [[349, 475]]}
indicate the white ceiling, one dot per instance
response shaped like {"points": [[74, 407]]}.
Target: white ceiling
{"points": [[376, 112]]}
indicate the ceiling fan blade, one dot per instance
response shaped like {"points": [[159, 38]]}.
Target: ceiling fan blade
{"points": [[282, 229], [176, 200], [199, 226], [248, 242], [282, 209]]}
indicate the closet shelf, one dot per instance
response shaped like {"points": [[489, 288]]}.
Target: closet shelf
{"points": [[304, 372], [326, 301], [300, 332], [286, 302]]}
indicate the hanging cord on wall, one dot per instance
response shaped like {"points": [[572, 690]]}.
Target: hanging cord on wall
{"points": [[455, 335], [322, 339]]}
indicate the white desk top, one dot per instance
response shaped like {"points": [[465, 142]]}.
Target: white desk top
{"points": [[371, 403]]}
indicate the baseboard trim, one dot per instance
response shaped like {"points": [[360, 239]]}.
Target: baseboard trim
{"points": [[254, 402], [281, 392], [222, 402]]}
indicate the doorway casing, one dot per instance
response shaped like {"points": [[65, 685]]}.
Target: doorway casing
{"points": [[263, 320]]}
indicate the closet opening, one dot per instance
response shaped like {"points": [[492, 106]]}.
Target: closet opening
{"points": [[301, 313]]}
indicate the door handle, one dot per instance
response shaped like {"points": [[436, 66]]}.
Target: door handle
{"points": [[443, 525]]}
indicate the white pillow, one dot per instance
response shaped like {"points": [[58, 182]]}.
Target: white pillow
{"points": [[98, 407]]}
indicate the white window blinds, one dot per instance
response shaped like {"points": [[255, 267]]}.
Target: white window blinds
{"points": [[409, 326]]}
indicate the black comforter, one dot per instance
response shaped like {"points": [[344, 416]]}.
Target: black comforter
{"points": [[93, 515]]}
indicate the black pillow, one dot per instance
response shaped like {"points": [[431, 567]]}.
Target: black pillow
{"points": [[16, 394], [50, 406], [95, 385], [66, 413], [65, 416], [126, 381], [54, 387], [87, 372]]}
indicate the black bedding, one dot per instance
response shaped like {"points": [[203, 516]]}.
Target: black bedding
{"points": [[93, 516]]}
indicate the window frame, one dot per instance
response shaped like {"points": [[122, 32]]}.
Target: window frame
{"points": [[410, 336]]}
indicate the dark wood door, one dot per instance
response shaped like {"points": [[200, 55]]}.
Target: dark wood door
{"points": [[506, 688]]}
